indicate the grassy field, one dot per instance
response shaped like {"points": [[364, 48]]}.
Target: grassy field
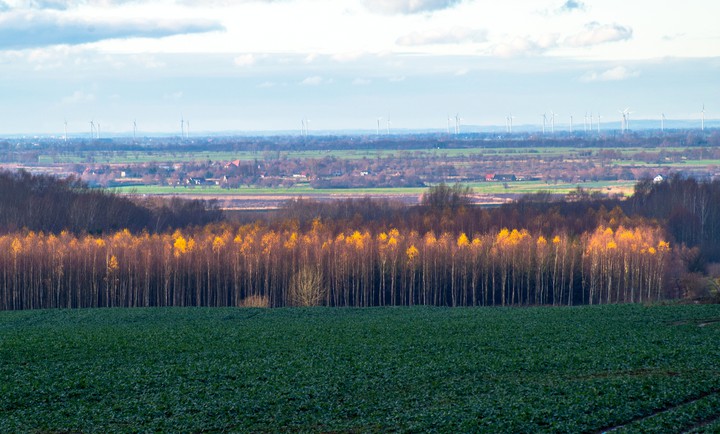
{"points": [[585, 369], [136, 157], [518, 187]]}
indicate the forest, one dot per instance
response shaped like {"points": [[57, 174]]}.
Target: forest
{"points": [[63, 244]]}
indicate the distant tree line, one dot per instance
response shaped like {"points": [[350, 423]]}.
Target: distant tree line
{"points": [[49, 204], [273, 144]]}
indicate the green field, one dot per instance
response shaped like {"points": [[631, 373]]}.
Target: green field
{"points": [[584, 369], [517, 187], [137, 157]]}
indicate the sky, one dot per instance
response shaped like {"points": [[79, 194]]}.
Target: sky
{"points": [[265, 65]]}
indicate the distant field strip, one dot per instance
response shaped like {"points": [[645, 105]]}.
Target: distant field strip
{"points": [[592, 369], [162, 156], [517, 187]]}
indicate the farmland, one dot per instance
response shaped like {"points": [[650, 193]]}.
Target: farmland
{"points": [[583, 369], [261, 172]]}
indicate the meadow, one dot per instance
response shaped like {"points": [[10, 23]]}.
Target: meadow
{"points": [[299, 189], [156, 156], [631, 368]]}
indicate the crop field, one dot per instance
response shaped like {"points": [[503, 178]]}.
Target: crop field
{"points": [[137, 157], [132, 157], [514, 187], [626, 368]]}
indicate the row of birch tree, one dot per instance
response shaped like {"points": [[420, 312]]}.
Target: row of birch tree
{"points": [[254, 265]]}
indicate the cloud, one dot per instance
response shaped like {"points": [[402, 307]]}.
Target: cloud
{"points": [[24, 30], [452, 36], [408, 6], [524, 46], [361, 82], [397, 79], [596, 33], [572, 5], [244, 60], [613, 74], [315, 80], [348, 56]]}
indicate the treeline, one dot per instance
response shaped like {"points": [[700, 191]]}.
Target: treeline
{"points": [[65, 245], [688, 208], [49, 204], [273, 144], [259, 266]]}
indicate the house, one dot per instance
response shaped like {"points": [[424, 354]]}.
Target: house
{"points": [[198, 181], [234, 163], [504, 177], [658, 179]]}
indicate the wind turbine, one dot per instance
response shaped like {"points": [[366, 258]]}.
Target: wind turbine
{"points": [[552, 121], [510, 120], [92, 129], [591, 121], [702, 119], [585, 123], [304, 126], [598, 123], [457, 123], [627, 118], [662, 121], [387, 125], [544, 119], [134, 130], [571, 124], [378, 125], [448, 123], [65, 130], [623, 121]]}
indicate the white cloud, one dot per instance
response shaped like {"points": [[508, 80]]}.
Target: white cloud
{"points": [[452, 36], [315, 80], [462, 71], [361, 82], [397, 79], [408, 6], [526, 45], [244, 60], [148, 61], [267, 84], [347, 56], [42, 28], [596, 33], [613, 74]]}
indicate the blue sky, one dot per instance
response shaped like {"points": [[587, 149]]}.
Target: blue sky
{"points": [[258, 65]]}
